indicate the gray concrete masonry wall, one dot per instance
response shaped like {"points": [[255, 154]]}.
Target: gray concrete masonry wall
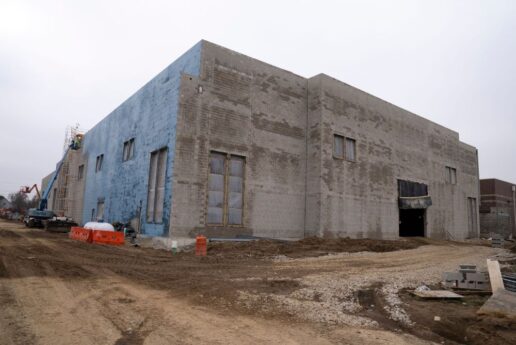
{"points": [[359, 199], [68, 190], [284, 125], [247, 108]]}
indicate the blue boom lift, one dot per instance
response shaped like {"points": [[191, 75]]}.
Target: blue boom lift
{"points": [[40, 216]]}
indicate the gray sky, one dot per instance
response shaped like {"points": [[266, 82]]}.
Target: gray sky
{"points": [[67, 62]]}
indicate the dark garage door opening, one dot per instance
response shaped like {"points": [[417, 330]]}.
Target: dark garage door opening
{"points": [[412, 222]]}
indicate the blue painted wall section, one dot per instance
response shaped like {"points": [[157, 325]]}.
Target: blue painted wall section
{"points": [[150, 117]]}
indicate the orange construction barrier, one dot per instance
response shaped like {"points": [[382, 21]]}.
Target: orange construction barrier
{"points": [[201, 248], [108, 237], [81, 234]]}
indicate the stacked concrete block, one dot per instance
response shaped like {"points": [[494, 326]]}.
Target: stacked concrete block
{"points": [[467, 277]]}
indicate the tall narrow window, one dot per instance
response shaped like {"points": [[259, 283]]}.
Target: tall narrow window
{"points": [[235, 190], [216, 188], [98, 164], [160, 186], [54, 195], [225, 189], [100, 210], [128, 150], [350, 149], [451, 175], [80, 172], [156, 188], [338, 146], [472, 217]]}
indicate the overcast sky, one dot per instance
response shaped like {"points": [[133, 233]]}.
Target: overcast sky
{"points": [[68, 62]]}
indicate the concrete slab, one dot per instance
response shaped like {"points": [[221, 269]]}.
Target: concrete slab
{"points": [[165, 243], [432, 294], [501, 304]]}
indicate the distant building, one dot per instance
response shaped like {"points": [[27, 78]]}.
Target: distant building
{"points": [[222, 144], [497, 208], [4, 203]]}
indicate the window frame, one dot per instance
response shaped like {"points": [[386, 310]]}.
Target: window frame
{"points": [[129, 144], [450, 175], [80, 172], [225, 205], [99, 163], [354, 141], [100, 206], [158, 152], [345, 140]]}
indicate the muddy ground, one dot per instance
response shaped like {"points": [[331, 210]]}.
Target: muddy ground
{"points": [[57, 291]]}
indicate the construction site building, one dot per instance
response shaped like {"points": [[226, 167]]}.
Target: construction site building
{"points": [[67, 194], [222, 144]]}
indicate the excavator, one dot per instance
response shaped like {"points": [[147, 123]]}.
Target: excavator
{"points": [[40, 216]]}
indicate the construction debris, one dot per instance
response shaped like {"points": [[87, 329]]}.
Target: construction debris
{"points": [[434, 294], [497, 241], [467, 277], [502, 303], [509, 281], [495, 276]]}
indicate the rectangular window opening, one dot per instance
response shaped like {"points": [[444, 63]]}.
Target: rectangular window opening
{"points": [[472, 218], [409, 189], [350, 149], [225, 189], [156, 188], [344, 147], [128, 152], [100, 211], [338, 146], [98, 164], [451, 175], [80, 172]]}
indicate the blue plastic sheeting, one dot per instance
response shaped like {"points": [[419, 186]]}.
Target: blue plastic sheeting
{"points": [[150, 117]]}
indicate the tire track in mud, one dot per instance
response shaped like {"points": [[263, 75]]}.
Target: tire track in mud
{"points": [[126, 295]]}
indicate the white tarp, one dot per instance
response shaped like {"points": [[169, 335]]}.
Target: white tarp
{"points": [[99, 226]]}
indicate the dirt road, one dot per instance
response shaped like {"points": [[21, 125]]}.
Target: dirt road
{"points": [[57, 291]]}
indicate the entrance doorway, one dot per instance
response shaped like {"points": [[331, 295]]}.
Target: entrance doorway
{"points": [[412, 222]]}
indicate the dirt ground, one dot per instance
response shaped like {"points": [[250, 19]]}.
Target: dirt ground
{"points": [[57, 291]]}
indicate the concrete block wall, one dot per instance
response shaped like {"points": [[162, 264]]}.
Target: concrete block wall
{"points": [[359, 199], [284, 124], [149, 116], [67, 194], [247, 108], [76, 186], [44, 183], [497, 211], [214, 99]]}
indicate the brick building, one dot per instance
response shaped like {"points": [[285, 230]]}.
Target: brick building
{"points": [[497, 208], [222, 144]]}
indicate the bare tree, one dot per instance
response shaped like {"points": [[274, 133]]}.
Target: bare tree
{"points": [[20, 202]]}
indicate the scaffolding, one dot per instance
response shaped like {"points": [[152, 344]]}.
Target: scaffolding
{"points": [[63, 197]]}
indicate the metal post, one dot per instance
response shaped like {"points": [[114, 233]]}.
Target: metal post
{"points": [[513, 211]]}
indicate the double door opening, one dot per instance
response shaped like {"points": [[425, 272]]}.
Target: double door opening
{"points": [[413, 201]]}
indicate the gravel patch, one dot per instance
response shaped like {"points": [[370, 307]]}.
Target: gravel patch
{"points": [[331, 296]]}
